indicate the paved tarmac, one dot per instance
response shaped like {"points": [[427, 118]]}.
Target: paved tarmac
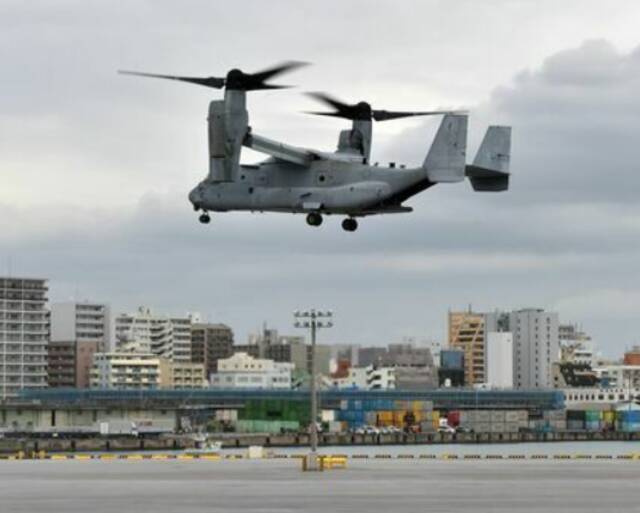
{"points": [[279, 486]]}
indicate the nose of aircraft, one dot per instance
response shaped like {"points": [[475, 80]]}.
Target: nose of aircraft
{"points": [[194, 197]]}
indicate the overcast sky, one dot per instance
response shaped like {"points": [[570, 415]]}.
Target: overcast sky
{"points": [[95, 167]]}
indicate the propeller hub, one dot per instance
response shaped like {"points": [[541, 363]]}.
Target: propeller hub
{"points": [[235, 79], [362, 111]]}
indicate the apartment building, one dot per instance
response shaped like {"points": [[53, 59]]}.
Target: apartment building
{"points": [[147, 332], [78, 331], [182, 376], [244, 371], [24, 334], [210, 343], [467, 333], [535, 344], [125, 371]]}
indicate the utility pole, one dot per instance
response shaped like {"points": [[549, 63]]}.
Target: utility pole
{"points": [[313, 320]]}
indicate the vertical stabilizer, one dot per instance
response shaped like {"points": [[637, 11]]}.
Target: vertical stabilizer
{"points": [[445, 161], [495, 150]]}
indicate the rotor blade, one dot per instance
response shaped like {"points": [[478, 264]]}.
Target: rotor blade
{"points": [[331, 114], [385, 115], [278, 69], [214, 82], [329, 100]]}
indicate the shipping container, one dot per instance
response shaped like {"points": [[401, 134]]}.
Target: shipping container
{"points": [[516, 416], [575, 425], [498, 416], [592, 425], [453, 418], [628, 427], [628, 416], [328, 415], [266, 426], [576, 415], [592, 415], [481, 427]]}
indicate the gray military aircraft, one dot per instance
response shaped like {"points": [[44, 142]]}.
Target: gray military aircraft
{"points": [[316, 183]]}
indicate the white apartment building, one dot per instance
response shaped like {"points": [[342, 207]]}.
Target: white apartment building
{"points": [[357, 378], [535, 344], [619, 376], [244, 371], [24, 334], [146, 332], [368, 378], [125, 371], [381, 378], [499, 359]]}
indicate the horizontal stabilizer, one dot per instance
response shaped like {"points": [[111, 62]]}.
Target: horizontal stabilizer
{"points": [[490, 169], [486, 180]]}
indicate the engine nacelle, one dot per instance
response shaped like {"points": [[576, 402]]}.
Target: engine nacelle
{"points": [[228, 121]]}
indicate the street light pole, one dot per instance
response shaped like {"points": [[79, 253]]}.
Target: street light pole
{"points": [[313, 441], [313, 320]]}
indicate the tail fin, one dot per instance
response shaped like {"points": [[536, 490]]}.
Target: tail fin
{"points": [[490, 169], [446, 159]]}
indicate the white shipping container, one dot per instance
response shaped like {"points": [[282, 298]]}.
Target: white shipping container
{"points": [[516, 415], [335, 426], [227, 415], [498, 427], [497, 416], [483, 416], [482, 427], [328, 415]]}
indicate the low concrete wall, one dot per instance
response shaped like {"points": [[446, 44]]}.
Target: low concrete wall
{"points": [[179, 442]]}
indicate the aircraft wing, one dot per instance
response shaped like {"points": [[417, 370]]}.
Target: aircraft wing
{"points": [[294, 154], [300, 156]]}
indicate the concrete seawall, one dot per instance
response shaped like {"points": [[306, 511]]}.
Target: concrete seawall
{"points": [[178, 442]]}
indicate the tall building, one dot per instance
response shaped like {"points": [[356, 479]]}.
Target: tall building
{"points": [[78, 331], [146, 332], [535, 344], [499, 359], [210, 343], [467, 333], [24, 334]]}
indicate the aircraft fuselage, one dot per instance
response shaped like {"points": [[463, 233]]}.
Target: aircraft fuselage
{"points": [[324, 186]]}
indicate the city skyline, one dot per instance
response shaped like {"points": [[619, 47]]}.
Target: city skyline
{"points": [[416, 339]]}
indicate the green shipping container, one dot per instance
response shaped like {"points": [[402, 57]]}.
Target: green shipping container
{"points": [[266, 426]]}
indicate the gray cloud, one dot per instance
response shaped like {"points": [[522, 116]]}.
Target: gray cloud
{"points": [[96, 167]]}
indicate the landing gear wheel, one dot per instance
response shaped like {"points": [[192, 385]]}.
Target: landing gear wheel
{"points": [[204, 218], [349, 225], [314, 219]]}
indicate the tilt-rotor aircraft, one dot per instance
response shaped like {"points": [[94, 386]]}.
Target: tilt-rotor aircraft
{"points": [[316, 183]]}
